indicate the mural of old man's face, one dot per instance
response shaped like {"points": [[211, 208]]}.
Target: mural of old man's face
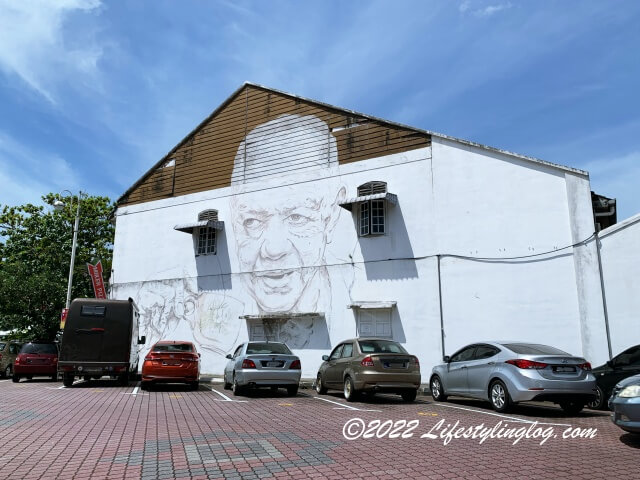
{"points": [[281, 238]]}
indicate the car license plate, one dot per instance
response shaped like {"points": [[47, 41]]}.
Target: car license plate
{"points": [[564, 369], [92, 370], [171, 364], [274, 364]]}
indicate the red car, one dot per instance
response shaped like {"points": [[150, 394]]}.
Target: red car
{"points": [[36, 359], [171, 362]]}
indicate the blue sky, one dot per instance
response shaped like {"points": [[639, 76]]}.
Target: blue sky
{"points": [[93, 93]]}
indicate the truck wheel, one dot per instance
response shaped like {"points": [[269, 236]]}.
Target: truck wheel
{"points": [[67, 380], [124, 379]]}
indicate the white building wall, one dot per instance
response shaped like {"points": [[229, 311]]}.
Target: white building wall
{"points": [[621, 271], [454, 201]]}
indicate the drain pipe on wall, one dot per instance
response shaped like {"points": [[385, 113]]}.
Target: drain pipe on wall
{"points": [[442, 317], [604, 297]]}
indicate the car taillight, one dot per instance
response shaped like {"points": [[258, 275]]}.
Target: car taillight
{"points": [[295, 365], [527, 364], [416, 361], [150, 358], [246, 363], [17, 362], [191, 358], [585, 366], [0, 356], [55, 359], [367, 362]]}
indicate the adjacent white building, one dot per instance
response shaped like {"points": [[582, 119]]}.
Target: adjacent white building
{"points": [[287, 219]]}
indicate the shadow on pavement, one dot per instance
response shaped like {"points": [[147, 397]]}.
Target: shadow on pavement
{"points": [[526, 409], [631, 439]]}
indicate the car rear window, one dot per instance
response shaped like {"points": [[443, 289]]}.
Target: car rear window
{"points": [[380, 346], [39, 348], [533, 349], [258, 348], [177, 347]]}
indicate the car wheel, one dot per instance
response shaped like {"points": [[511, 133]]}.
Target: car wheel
{"points": [[29, 377], [15, 378], [144, 385], [235, 387], [123, 379], [572, 408], [320, 388], [7, 371], [292, 391], [350, 393], [67, 380], [499, 396], [437, 392], [599, 402], [409, 396], [87, 378], [194, 385]]}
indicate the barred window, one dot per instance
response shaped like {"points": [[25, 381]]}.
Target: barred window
{"points": [[206, 241], [372, 212]]}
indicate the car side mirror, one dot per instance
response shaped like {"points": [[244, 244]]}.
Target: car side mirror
{"points": [[446, 359], [142, 340], [229, 356], [325, 357]]}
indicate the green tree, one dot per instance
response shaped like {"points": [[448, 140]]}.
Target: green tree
{"points": [[35, 254]]}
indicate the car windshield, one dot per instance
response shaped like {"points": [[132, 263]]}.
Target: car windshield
{"points": [[173, 347], [39, 348], [258, 348], [533, 349], [380, 346]]}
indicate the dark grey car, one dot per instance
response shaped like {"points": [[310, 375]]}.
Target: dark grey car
{"points": [[625, 403], [505, 373]]}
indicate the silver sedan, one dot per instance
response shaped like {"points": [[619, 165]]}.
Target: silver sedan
{"points": [[505, 373], [262, 364]]}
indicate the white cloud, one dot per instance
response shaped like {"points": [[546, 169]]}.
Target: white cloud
{"points": [[491, 9], [26, 174], [33, 45], [486, 11]]}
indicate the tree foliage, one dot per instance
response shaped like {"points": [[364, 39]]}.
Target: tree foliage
{"points": [[35, 255]]}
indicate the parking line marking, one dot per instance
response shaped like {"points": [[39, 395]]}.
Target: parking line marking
{"points": [[135, 391], [503, 416], [226, 399], [343, 406]]}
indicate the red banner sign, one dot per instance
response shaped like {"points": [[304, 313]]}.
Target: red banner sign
{"points": [[95, 271], [63, 318]]}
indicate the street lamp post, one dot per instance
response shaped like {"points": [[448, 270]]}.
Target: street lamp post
{"points": [[59, 205]]}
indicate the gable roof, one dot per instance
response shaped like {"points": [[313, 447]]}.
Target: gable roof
{"points": [[153, 184]]}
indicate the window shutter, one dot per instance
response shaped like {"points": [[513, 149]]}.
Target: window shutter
{"points": [[367, 326]]}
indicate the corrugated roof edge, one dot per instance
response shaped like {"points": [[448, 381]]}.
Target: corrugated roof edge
{"points": [[352, 112], [620, 225]]}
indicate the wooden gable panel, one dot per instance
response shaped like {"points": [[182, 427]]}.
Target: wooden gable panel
{"points": [[205, 159]]}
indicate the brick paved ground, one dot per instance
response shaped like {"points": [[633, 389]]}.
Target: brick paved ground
{"points": [[99, 430]]}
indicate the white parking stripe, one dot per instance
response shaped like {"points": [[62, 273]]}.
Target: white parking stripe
{"points": [[515, 419], [226, 399], [345, 407], [135, 391]]}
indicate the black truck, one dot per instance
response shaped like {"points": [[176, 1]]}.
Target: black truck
{"points": [[100, 338]]}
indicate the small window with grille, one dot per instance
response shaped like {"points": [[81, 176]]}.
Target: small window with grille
{"points": [[207, 235], [372, 212]]}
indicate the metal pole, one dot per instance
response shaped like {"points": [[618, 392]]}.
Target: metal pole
{"points": [[440, 300], [604, 297], [73, 251]]}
